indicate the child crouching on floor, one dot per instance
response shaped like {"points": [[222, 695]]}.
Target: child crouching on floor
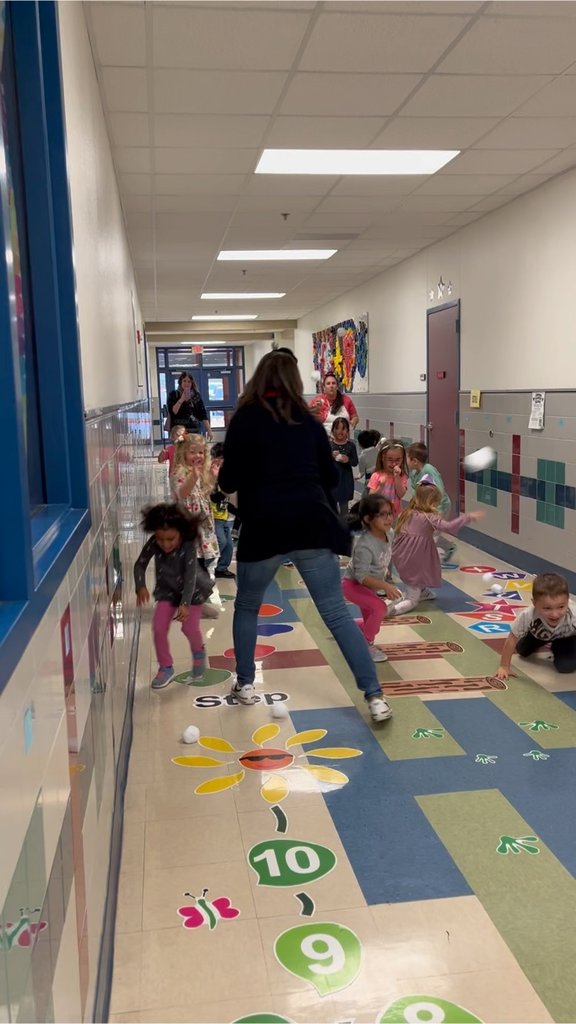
{"points": [[365, 576], [181, 585], [552, 619]]}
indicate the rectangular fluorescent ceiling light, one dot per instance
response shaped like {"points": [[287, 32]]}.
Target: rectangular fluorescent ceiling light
{"points": [[242, 295], [227, 316], [354, 161], [276, 254]]}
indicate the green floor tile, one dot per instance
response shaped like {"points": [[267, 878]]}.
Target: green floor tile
{"points": [[477, 658], [526, 701], [520, 892]]}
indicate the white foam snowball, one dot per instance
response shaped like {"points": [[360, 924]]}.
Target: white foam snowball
{"points": [[496, 588], [488, 577], [191, 734], [481, 459], [279, 711]]}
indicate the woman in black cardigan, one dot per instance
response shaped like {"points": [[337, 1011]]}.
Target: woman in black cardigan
{"points": [[186, 408], [277, 458]]}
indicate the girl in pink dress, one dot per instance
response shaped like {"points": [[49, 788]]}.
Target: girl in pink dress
{"points": [[390, 477], [414, 552]]}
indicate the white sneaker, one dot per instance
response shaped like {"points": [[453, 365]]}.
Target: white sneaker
{"points": [[377, 654], [379, 709], [427, 595], [401, 607], [244, 694]]}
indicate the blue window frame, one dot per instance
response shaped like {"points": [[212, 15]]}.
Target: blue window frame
{"points": [[44, 509]]}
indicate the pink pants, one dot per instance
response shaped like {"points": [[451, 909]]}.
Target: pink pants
{"points": [[373, 608], [164, 613]]}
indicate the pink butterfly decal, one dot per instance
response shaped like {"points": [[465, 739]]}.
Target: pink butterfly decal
{"points": [[29, 934], [207, 911]]}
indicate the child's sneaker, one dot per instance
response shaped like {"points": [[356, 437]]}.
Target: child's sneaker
{"points": [[245, 694], [199, 665], [427, 595], [448, 554], [379, 708], [377, 654], [162, 677]]}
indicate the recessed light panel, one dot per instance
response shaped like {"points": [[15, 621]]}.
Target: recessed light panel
{"points": [[276, 254], [226, 316], [354, 161], [242, 295]]}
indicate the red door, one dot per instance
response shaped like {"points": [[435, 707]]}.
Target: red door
{"points": [[443, 342]]}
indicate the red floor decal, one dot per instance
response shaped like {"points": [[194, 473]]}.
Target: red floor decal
{"points": [[268, 610], [408, 620], [280, 659], [411, 687], [260, 651]]}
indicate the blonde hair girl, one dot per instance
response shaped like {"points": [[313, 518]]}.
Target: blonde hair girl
{"points": [[191, 484], [414, 552]]}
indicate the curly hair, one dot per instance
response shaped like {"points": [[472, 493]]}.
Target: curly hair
{"points": [[169, 517], [193, 443]]}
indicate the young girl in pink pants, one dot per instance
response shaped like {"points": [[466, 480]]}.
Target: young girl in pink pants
{"points": [[365, 578], [181, 585]]}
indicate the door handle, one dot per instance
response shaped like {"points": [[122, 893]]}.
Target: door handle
{"points": [[429, 426]]}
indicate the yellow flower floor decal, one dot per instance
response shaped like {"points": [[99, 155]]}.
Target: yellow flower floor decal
{"points": [[276, 764]]}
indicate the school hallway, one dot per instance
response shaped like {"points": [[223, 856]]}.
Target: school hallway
{"points": [[323, 868]]}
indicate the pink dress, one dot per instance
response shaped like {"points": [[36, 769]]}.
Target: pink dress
{"points": [[384, 484], [414, 552]]}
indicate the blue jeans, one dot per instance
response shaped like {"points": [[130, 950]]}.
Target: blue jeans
{"points": [[321, 573], [225, 544]]}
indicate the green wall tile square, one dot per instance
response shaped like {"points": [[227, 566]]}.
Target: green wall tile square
{"points": [[559, 517], [541, 511], [550, 492], [560, 472], [550, 469], [541, 469]]}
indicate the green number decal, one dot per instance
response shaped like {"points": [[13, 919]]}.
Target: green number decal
{"points": [[285, 862], [262, 1018], [326, 955], [426, 1010]]}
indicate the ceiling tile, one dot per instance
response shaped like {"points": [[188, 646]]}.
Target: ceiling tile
{"points": [[129, 129], [119, 33], [198, 184], [279, 203], [492, 203], [525, 183], [472, 95], [248, 40], [192, 203], [124, 88], [533, 8], [463, 184], [514, 46], [137, 204], [531, 133], [216, 92], [337, 204], [408, 7], [387, 185], [200, 130], [397, 42], [562, 162], [453, 203], [498, 161], [323, 132], [135, 184], [133, 159], [555, 100], [433, 132], [287, 185], [204, 161], [356, 95]]}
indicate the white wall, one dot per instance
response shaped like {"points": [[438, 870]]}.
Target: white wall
{"points": [[104, 272], [514, 272]]}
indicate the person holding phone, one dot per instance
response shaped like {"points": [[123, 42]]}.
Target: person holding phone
{"points": [[186, 408]]}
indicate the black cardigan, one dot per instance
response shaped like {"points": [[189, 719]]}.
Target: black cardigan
{"points": [[190, 414], [284, 475]]}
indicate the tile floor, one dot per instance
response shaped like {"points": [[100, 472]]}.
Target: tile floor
{"points": [[365, 873]]}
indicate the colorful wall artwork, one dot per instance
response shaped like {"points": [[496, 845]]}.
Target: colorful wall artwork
{"points": [[343, 349]]}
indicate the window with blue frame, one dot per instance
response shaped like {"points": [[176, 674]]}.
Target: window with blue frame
{"points": [[44, 513]]}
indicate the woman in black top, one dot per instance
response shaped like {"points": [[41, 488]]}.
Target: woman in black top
{"points": [[278, 459], [186, 408]]}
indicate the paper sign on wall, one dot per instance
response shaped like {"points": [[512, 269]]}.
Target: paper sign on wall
{"points": [[536, 421], [475, 394]]}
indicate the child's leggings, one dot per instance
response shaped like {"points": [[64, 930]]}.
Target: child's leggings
{"points": [[373, 608], [164, 613]]}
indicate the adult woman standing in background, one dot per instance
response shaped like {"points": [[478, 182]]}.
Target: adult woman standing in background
{"points": [[337, 404], [186, 407]]}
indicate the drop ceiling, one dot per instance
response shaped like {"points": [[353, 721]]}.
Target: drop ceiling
{"points": [[193, 92]]}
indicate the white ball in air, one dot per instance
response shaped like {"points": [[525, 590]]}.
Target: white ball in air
{"points": [[481, 459], [279, 711], [488, 577], [191, 734], [496, 588]]}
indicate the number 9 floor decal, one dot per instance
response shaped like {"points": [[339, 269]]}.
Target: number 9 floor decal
{"points": [[408, 1010]]}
